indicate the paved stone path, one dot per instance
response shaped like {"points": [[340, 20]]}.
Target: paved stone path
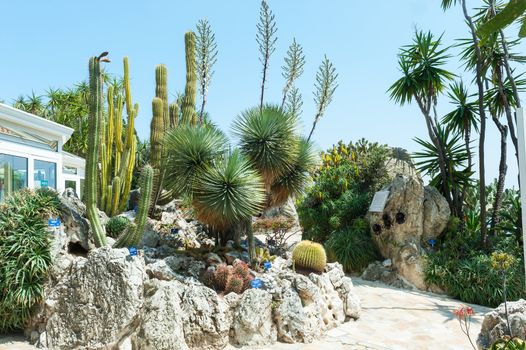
{"points": [[396, 319], [392, 319]]}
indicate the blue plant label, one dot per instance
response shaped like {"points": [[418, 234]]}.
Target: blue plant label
{"points": [[267, 265], [256, 283], [53, 222], [174, 230], [133, 251], [432, 242], [44, 183]]}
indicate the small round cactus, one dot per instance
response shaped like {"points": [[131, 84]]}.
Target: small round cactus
{"points": [[310, 256], [221, 276], [235, 284]]}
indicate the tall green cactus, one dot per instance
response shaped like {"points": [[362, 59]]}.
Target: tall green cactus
{"points": [[118, 155], [156, 133], [95, 120], [133, 234], [174, 115], [161, 91], [188, 106]]}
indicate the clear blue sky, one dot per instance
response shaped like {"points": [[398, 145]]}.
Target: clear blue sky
{"points": [[48, 43]]}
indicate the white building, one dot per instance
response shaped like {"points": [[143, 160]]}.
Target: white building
{"points": [[31, 154]]}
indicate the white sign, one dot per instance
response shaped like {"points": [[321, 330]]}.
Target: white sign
{"points": [[379, 200]]}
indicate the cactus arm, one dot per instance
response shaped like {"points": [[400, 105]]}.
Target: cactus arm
{"points": [[95, 120], [188, 105], [128, 179], [132, 236], [174, 115], [116, 191]]}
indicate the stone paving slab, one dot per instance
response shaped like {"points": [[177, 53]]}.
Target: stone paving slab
{"points": [[392, 319]]}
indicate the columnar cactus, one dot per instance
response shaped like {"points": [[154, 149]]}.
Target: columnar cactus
{"points": [[188, 107], [92, 155], [174, 115], [118, 156], [133, 233], [309, 255], [161, 91], [156, 133]]}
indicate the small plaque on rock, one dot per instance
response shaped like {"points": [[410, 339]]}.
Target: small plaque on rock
{"points": [[379, 201]]}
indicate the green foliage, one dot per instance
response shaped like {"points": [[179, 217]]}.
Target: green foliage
{"points": [[343, 189], [514, 10], [133, 233], [191, 150], [309, 256], [24, 253], [464, 270], [116, 225], [352, 246], [206, 56], [228, 193], [507, 343], [268, 137]]}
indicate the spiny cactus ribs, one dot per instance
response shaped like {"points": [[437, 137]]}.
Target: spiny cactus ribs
{"points": [[309, 256]]}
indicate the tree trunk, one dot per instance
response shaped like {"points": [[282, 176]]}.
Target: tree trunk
{"points": [[482, 137], [503, 167]]}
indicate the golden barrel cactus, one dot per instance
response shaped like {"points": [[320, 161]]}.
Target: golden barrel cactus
{"points": [[310, 256]]}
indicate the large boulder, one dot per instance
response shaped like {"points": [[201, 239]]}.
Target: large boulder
{"points": [[206, 318], [76, 224], [412, 215], [494, 325], [161, 321], [95, 303], [252, 323]]}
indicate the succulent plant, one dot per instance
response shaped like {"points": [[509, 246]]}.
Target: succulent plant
{"points": [[310, 256], [116, 225], [235, 284], [221, 276]]}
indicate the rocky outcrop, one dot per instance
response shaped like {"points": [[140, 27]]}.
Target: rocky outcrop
{"points": [[413, 215], [76, 225], [95, 303], [253, 319], [494, 325], [110, 299]]}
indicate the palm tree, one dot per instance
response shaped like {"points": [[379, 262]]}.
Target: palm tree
{"points": [[464, 117], [423, 80]]}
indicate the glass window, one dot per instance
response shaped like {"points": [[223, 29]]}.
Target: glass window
{"points": [[13, 174], [45, 174]]}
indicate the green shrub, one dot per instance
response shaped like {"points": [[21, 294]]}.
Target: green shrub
{"points": [[465, 271], [353, 247], [24, 253], [116, 225], [343, 188]]}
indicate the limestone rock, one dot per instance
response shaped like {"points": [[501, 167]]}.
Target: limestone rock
{"points": [[377, 271], [74, 219], [185, 265], [412, 215], [252, 324], [436, 213], [206, 320], [494, 325], [94, 303], [161, 321], [292, 323]]}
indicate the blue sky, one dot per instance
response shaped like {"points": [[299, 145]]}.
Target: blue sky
{"points": [[48, 43]]}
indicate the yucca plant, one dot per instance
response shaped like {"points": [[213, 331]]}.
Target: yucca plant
{"points": [[227, 193], [269, 138], [190, 151]]}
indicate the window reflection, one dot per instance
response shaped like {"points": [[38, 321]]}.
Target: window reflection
{"points": [[13, 174], [45, 174]]}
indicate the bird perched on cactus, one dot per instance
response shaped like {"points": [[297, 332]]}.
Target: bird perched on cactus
{"points": [[309, 256]]}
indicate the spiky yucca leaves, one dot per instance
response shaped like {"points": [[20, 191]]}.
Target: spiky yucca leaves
{"points": [[190, 150], [293, 182], [309, 255], [228, 192], [268, 137]]}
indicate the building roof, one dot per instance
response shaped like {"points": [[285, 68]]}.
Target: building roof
{"points": [[34, 122]]}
